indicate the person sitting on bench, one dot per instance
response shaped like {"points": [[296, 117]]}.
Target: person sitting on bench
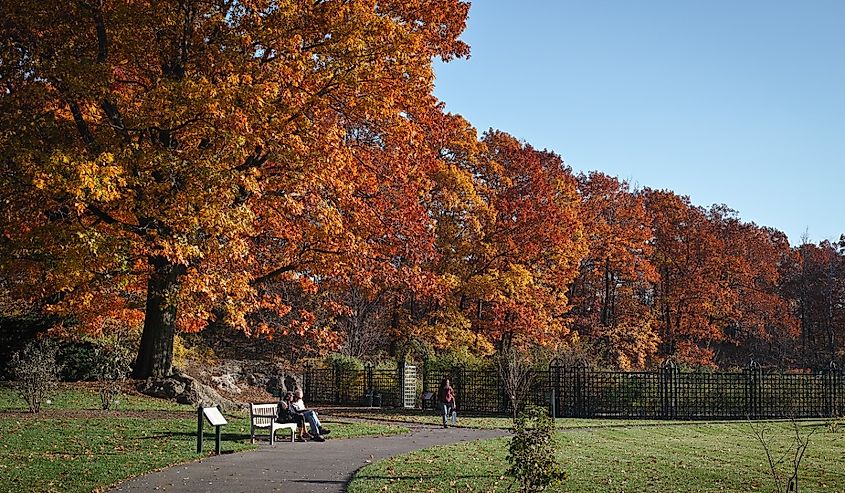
{"points": [[309, 414], [286, 414]]}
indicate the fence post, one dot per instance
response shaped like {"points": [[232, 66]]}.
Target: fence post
{"points": [[831, 388], [369, 368], [554, 386], [458, 384], [400, 392], [667, 383], [578, 383], [752, 393], [425, 374], [306, 383]]}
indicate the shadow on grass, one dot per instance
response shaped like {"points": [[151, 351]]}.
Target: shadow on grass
{"points": [[185, 435], [417, 477], [317, 481]]}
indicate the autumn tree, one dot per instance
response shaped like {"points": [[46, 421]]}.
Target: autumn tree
{"points": [[689, 296], [757, 319], [514, 274], [171, 159], [612, 294], [720, 280], [816, 285], [457, 212]]}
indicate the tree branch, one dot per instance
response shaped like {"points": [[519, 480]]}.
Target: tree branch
{"points": [[109, 219], [82, 126], [102, 39], [273, 273]]}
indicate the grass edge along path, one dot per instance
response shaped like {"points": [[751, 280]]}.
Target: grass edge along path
{"points": [[700, 458], [74, 447], [430, 417]]}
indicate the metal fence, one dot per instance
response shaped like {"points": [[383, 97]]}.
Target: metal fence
{"points": [[352, 387], [665, 393]]}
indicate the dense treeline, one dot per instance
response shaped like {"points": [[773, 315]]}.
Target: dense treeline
{"points": [[283, 169]]}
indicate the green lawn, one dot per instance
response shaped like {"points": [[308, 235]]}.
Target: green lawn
{"points": [[71, 446], [486, 422], [711, 457], [77, 397]]}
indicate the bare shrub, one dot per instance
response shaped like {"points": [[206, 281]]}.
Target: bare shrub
{"points": [[780, 455], [113, 365], [836, 425], [35, 372], [516, 371]]}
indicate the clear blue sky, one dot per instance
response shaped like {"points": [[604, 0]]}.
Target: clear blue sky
{"points": [[737, 102]]}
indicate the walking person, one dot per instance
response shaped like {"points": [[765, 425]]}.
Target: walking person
{"points": [[446, 396]]}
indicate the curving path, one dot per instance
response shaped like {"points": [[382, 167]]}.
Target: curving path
{"points": [[296, 467]]}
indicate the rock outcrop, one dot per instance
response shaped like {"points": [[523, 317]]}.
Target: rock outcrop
{"points": [[185, 389]]}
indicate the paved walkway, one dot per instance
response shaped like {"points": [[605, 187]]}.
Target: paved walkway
{"points": [[296, 467]]}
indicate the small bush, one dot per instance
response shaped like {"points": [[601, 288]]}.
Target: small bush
{"points": [[836, 425], [82, 357], [77, 360], [114, 364], [105, 359], [341, 362], [784, 458], [533, 450], [188, 350], [36, 372], [460, 357], [348, 374]]}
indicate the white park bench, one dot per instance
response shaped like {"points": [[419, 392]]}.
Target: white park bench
{"points": [[263, 416]]}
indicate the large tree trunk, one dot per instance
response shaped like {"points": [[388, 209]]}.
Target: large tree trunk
{"points": [[155, 354]]}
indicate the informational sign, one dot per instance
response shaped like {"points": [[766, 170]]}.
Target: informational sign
{"points": [[212, 414]]}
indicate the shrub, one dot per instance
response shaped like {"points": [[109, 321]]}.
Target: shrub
{"points": [[784, 458], [460, 357], [36, 372], [106, 359], [114, 364], [515, 374], [533, 450], [192, 349], [341, 362], [348, 374], [836, 425], [83, 357], [77, 360]]}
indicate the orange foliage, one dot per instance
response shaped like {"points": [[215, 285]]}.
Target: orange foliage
{"points": [[283, 168], [611, 293]]}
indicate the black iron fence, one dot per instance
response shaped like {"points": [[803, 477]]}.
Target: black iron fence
{"points": [[665, 393], [352, 387]]}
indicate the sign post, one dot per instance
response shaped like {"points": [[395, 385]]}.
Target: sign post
{"points": [[215, 418]]}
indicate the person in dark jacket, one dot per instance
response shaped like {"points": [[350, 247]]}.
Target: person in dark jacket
{"points": [[286, 414]]}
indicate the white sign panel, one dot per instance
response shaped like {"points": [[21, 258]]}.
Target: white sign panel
{"points": [[213, 415]]}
